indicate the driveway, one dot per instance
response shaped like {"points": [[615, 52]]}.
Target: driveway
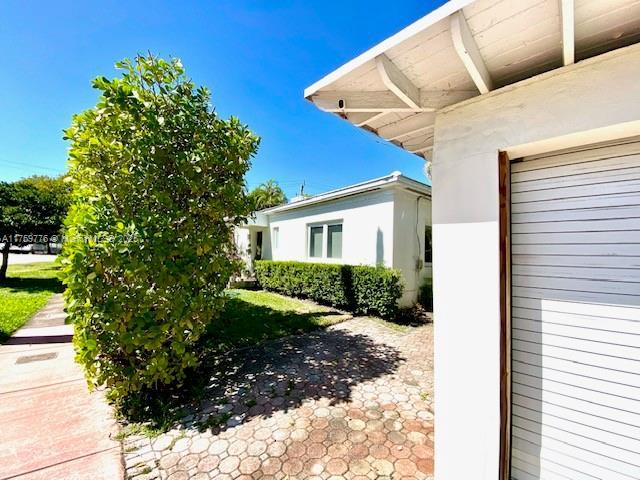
{"points": [[353, 401]]}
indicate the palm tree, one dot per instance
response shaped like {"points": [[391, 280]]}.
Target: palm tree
{"points": [[267, 194]]}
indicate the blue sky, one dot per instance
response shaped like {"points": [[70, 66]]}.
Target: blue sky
{"points": [[256, 58]]}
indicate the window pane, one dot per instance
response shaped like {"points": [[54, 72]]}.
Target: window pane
{"points": [[315, 242], [334, 247], [276, 231], [428, 254]]}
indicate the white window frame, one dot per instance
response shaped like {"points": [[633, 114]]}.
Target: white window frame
{"points": [[325, 241], [275, 238]]}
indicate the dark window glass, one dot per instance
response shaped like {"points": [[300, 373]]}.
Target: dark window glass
{"points": [[334, 247], [428, 253], [315, 242]]}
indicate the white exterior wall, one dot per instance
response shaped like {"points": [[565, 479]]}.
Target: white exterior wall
{"points": [[411, 214], [367, 229], [595, 100], [245, 238], [242, 238], [378, 228]]}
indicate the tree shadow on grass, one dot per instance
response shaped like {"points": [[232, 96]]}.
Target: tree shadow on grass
{"points": [[244, 324], [32, 285], [234, 385]]}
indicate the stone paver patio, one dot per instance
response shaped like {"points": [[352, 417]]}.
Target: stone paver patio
{"points": [[353, 401]]}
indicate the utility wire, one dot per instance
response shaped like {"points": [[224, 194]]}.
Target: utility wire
{"points": [[21, 164]]}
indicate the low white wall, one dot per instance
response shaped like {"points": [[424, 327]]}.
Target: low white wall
{"points": [[577, 101]]}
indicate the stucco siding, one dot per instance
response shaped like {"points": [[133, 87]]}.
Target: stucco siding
{"points": [[577, 104], [367, 229], [411, 214]]}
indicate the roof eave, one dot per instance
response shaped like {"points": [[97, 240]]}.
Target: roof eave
{"points": [[416, 27], [357, 189]]}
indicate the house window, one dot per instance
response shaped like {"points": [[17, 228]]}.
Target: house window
{"points": [[334, 241], [325, 240], [276, 235], [315, 241], [428, 252]]}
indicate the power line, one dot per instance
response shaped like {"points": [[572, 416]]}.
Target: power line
{"points": [[21, 164]]}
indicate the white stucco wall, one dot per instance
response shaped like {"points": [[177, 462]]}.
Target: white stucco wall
{"points": [[378, 228], [411, 214], [367, 229], [582, 103]]}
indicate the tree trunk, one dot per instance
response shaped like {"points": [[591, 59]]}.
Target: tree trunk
{"points": [[5, 261]]}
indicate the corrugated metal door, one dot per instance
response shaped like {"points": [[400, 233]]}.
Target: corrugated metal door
{"points": [[575, 276]]}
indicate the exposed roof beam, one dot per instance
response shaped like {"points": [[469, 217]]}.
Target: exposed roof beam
{"points": [[420, 122], [468, 51], [422, 150], [568, 31], [364, 118], [418, 146], [352, 102], [376, 102], [397, 82]]}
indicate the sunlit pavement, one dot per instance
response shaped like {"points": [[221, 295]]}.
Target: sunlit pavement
{"points": [[52, 427]]}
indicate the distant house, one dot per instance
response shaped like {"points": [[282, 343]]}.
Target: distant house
{"points": [[385, 221]]}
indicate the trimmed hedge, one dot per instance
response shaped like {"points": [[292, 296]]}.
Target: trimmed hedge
{"points": [[359, 288]]}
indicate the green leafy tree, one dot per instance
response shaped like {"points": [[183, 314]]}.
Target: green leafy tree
{"points": [[32, 210], [267, 194], [158, 183]]}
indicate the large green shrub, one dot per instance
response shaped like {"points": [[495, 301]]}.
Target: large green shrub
{"points": [[158, 182], [359, 288]]}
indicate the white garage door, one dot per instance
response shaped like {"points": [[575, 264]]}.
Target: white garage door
{"points": [[575, 233]]}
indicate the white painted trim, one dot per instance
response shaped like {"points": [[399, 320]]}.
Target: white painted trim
{"points": [[360, 102], [574, 140], [395, 178], [324, 258], [567, 23], [420, 25], [397, 82], [467, 49], [542, 77], [408, 126], [424, 129]]}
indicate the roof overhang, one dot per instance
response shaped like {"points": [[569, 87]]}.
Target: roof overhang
{"points": [[464, 49], [394, 179]]}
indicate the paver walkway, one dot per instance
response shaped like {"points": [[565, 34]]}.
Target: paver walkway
{"points": [[353, 401], [52, 428]]}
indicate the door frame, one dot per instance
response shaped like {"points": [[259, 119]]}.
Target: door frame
{"points": [[504, 196]]}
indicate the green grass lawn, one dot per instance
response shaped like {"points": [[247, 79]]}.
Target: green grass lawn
{"points": [[251, 317], [24, 292]]}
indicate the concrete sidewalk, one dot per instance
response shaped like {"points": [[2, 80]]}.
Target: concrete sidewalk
{"points": [[52, 427]]}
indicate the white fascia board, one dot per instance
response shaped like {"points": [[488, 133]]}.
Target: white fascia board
{"points": [[358, 188], [418, 26]]}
